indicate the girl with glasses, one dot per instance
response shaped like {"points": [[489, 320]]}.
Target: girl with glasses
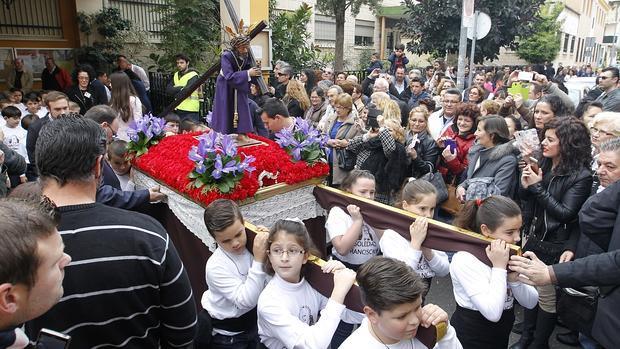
{"points": [[288, 307]]}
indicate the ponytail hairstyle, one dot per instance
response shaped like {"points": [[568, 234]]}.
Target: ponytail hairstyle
{"points": [[491, 212], [414, 191], [295, 228], [352, 177]]}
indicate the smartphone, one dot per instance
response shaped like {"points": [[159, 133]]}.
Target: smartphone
{"points": [[450, 143], [49, 339], [534, 164], [525, 76], [372, 122]]}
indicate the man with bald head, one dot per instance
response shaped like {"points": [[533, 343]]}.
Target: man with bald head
{"points": [[20, 77]]}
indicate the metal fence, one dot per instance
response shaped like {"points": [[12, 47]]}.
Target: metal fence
{"points": [[145, 13], [160, 99]]}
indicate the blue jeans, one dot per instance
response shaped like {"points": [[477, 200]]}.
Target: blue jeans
{"points": [[587, 342], [239, 341]]}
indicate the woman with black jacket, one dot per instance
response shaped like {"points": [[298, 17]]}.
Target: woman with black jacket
{"points": [[82, 91], [421, 148], [552, 196]]}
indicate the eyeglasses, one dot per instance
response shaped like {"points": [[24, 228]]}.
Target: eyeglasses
{"points": [[82, 78], [281, 74], [291, 252], [596, 131], [450, 102], [604, 77]]}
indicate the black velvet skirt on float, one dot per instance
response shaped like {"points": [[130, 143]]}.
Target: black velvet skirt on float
{"points": [[474, 331]]}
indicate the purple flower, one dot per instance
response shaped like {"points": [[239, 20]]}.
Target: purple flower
{"points": [[194, 155], [217, 172], [228, 146], [230, 167], [245, 165], [296, 153], [149, 125], [200, 167], [303, 125]]}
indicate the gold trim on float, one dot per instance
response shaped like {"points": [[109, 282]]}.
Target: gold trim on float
{"points": [[279, 188], [392, 209]]}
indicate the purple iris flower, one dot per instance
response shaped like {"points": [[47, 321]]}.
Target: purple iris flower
{"points": [[195, 155], [245, 165], [200, 167], [228, 146], [217, 172]]}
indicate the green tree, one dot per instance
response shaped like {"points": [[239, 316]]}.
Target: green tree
{"points": [[434, 26], [289, 38], [338, 8], [191, 27], [544, 44], [106, 32]]}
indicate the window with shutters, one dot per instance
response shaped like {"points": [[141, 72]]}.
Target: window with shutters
{"points": [[364, 32]]}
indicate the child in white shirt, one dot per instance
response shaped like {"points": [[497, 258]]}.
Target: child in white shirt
{"points": [[288, 308], [15, 135], [392, 295], [418, 197], [235, 279], [485, 295], [117, 158], [353, 240]]}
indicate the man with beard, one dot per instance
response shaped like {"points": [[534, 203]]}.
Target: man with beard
{"points": [[183, 78], [231, 111]]}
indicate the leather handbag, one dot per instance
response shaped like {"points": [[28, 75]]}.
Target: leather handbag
{"points": [[452, 205], [436, 179], [346, 158]]}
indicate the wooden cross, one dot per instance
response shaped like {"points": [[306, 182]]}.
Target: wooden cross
{"points": [[186, 92]]}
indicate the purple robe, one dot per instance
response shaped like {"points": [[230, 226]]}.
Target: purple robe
{"points": [[232, 78]]}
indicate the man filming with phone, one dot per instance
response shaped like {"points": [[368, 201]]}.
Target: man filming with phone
{"points": [[32, 262]]}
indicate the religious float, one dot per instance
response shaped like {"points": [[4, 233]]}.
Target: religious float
{"points": [[270, 180]]}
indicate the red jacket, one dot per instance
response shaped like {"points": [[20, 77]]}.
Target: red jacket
{"points": [[454, 168]]}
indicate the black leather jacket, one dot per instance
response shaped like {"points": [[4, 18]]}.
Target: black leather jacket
{"points": [[428, 154], [551, 207]]}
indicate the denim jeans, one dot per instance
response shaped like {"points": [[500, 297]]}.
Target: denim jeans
{"points": [[587, 342]]}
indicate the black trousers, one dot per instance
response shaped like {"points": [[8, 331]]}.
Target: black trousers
{"points": [[474, 331]]}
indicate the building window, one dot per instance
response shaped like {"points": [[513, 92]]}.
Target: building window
{"points": [[572, 45], [324, 28], [565, 46], [31, 19], [364, 32], [144, 13]]}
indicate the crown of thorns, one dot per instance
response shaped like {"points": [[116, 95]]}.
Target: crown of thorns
{"points": [[239, 38]]}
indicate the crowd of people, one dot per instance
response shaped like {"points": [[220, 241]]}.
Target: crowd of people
{"points": [[529, 169]]}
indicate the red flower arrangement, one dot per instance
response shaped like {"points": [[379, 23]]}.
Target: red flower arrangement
{"points": [[168, 163]]}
